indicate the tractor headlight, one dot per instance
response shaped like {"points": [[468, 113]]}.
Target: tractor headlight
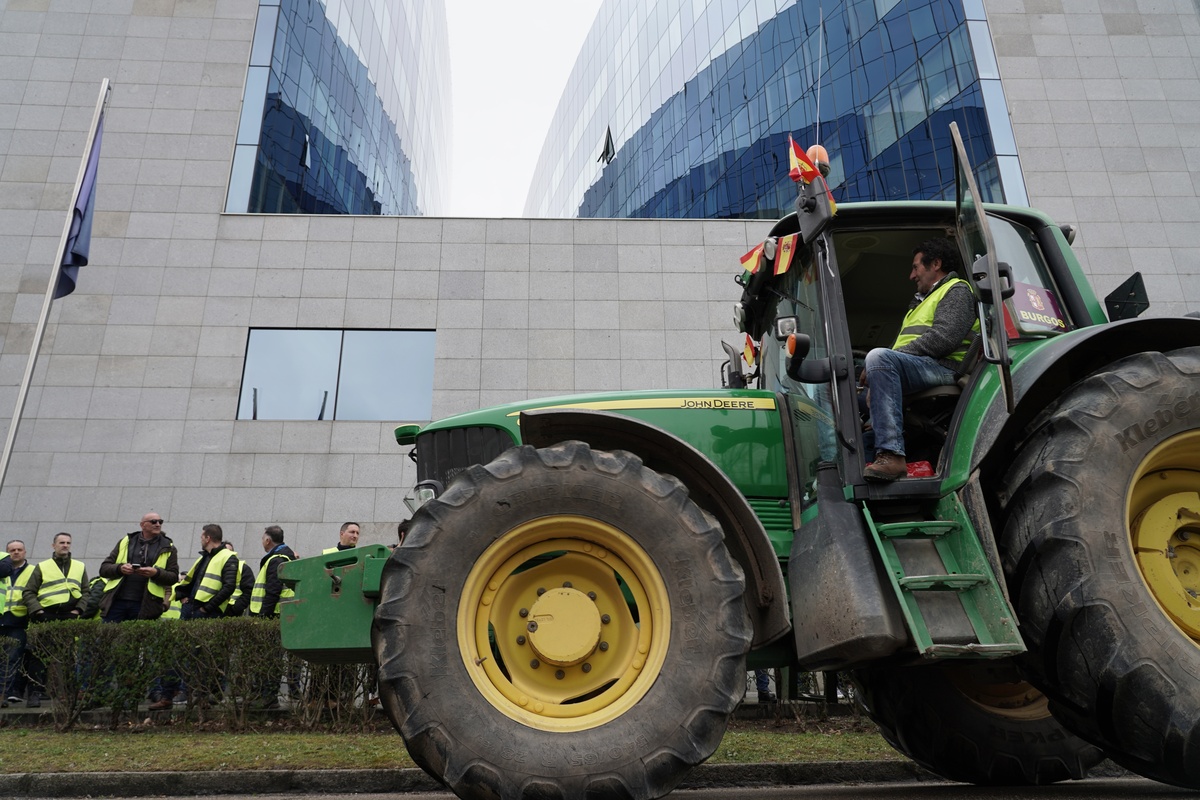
{"points": [[421, 494]]}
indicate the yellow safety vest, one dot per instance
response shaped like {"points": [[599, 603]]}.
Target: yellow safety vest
{"points": [[57, 588], [210, 582], [237, 593], [11, 600], [175, 610], [920, 320], [260, 586], [157, 590]]}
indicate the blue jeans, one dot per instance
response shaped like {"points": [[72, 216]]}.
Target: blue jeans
{"points": [[890, 376]]}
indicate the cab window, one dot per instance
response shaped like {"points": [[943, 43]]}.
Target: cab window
{"points": [[1036, 308], [808, 405]]}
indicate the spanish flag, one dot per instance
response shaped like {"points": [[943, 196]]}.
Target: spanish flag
{"points": [[749, 351], [787, 249], [752, 260], [802, 168]]}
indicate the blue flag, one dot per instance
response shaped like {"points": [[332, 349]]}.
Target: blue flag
{"points": [[79, 240]]}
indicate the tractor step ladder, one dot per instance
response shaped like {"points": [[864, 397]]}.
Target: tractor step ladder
{"points": [[967, 572]]}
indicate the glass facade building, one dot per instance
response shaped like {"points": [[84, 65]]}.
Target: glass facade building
{"points": [[346, 109], [682, 108]]}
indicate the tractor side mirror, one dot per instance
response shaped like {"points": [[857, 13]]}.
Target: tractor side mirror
{"points": [[732, 376], [815, 371], [983, 284], [1128, 300]]}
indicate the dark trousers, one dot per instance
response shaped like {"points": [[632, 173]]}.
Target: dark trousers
{"points": [[166, 686], [34, 668], [10, 661], [123, 610]]}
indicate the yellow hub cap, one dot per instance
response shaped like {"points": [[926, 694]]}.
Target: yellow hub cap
{"points": [[564, 623], [567, 627], [1164, 527]]}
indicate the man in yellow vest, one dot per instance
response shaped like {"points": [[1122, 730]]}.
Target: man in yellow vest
{"points": [[240, 600], [53, 592], [203, 593], [347, 538], [934, 337], [268, 588], [264, 598], [14, 574], [139, 572], [206, 589], [55, 587]]}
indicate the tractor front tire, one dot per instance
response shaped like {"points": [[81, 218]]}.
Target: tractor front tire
{"points": [[1101, 548], [561, 623], [975, 722]]}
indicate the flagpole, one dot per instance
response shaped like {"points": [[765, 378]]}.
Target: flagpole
{"points": [[40, 331]]}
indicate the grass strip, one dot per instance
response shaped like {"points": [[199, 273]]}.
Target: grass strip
{"points": [[156, 750]]}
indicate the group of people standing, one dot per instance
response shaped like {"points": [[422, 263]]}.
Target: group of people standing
{"points": [[139, 580]]}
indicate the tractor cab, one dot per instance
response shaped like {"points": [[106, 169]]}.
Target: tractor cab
{"points": [[846, 290]]}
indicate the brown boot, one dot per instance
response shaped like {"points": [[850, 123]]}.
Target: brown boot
{"points": [[886, 467]]}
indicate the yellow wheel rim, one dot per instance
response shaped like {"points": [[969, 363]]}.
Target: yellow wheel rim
{"points": [[1014, 700], [564, 623], [1164, 527]]}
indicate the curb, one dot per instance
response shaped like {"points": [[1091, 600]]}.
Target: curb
{"points": [[383, 781], [400, 781]]}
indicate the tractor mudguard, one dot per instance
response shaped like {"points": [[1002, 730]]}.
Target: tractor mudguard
{"points": [[1042, 377], [707, 486], [833, 566]]}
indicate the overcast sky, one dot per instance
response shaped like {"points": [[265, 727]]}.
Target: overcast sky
{"points": [[509, 65]]}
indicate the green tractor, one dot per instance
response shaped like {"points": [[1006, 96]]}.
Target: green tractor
{"points": [[585, 580]]}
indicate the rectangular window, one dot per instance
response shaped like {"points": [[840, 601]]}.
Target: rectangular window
{"points": [[939, 77], [333, 374], [880, 123], [908, 101]]}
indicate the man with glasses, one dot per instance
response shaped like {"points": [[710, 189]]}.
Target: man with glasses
{"points": [[138, 573]]}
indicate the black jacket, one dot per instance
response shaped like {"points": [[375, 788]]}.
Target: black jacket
{"points": [[166, 577], [211, 607], [272, 584]]}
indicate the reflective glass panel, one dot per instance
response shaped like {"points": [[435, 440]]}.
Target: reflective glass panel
{"points": [[289, 374], [334, 374], [367, 84], [700, 113], [386, 375]]}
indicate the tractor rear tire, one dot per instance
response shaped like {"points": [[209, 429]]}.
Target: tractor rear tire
{"points": [[973, 722], [561, 623], [1101, 549]]}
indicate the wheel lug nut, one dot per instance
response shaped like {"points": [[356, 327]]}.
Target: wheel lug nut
{"points": [[604, 647], [606, 619], [568, 585], [592, 596], [541, 591], [531, 627], [524, 612], [535, 663], [520, 640], [560, 674], [587, 668]]}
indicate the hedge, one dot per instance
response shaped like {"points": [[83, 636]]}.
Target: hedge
{"points": [[229, 668]]}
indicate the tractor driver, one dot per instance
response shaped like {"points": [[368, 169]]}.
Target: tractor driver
{"points": [[934, 337]]}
